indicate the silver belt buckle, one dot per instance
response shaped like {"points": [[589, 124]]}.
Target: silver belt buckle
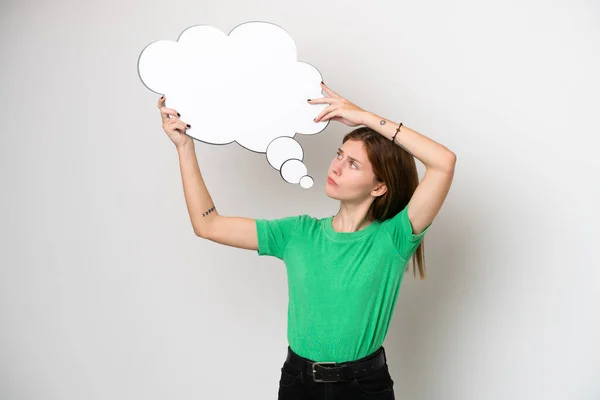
{"points": [[315, 371]]}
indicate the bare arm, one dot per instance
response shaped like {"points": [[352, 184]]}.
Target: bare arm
{"points": [[428, 198], [206, 221], [431, 193], [200, 205]]}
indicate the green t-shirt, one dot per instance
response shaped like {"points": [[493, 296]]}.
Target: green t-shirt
{"points": [[342, 286]]}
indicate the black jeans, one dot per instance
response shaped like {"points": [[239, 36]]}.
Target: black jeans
{"points": [[297, 385]]}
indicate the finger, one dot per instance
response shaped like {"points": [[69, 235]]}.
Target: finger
{"points": [[165, 112], [184, 126], [329, 91], [181, 125], [169, 125], [329, 115], [175, 124], [161, 104], [322, 100], [325, 111]]}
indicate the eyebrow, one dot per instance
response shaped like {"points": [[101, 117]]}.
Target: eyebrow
{"points": [[352, 158]]}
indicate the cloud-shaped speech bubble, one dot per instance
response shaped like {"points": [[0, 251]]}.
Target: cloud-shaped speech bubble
{"points": [[246, 87]]}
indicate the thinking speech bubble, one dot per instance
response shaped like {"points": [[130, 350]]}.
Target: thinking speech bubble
{"points": [[246, 87]]}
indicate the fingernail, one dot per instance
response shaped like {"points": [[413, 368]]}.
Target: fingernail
{"points": [[162, 96], [322, 82], [308, 100], [179, 115], [188, 125]]}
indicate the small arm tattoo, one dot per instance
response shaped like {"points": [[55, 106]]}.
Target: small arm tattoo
{"points": [[209, 211], [382, 122]]}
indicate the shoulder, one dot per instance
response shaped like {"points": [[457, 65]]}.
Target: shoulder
{"points": [[308, 224], [400, 230], [309, 220], [397, 218]]}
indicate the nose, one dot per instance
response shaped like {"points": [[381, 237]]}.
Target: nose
{"points": [[335, 167]]}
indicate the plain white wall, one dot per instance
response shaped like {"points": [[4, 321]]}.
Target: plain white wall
{"points": [[105, 292]]}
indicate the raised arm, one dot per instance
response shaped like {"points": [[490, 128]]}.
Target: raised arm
{"points": [[428, 198], [439, 161], [206, 221]]}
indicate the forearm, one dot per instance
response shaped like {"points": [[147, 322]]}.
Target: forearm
{"points": [[199, 203], [432, 154]]}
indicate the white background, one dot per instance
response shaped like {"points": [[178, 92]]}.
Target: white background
{"points": [[105, 292]]}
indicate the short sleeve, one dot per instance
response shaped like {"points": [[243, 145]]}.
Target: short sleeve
{"points": [[400, 231], [274, 235]]}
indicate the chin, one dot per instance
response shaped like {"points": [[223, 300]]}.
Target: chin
{"points": [[330, 193]]}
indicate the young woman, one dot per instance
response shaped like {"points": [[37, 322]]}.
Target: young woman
{"points": [[344, 272]]}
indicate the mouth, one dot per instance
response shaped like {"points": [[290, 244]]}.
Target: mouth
{"points": [[331, 181]]}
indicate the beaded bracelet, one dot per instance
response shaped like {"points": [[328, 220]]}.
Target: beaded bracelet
{"points": [[397, 130]]}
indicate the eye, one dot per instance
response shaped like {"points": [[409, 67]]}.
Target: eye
{"points": [[352, 163]]}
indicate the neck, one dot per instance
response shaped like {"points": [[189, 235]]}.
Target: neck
{"points": [[351, 217]]}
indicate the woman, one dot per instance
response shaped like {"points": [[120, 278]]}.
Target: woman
{"points": [[344, 272]]}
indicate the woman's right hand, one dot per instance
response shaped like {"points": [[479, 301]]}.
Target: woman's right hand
{"points": [[173, 126]]}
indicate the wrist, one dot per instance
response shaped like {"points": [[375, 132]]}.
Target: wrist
{"points": [[186, 146], [369, 119]]}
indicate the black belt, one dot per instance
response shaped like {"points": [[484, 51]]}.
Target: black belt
{"points": [[335, 372]]}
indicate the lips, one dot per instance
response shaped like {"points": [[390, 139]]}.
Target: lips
{"points": [[331, 181]]}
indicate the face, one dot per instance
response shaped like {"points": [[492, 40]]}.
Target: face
{"points": [[352, 173]]}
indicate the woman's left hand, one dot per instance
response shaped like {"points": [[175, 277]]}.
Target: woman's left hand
{"points": [[340, 109]]}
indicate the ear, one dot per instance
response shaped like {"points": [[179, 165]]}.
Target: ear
{"points": [[379, 190]]}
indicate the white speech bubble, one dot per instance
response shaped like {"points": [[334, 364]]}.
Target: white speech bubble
{"points": [[246, 87]]}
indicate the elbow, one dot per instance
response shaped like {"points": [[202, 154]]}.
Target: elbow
{"points": [[199, 233], [205, 227], [450, 162], [452, 157]]}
